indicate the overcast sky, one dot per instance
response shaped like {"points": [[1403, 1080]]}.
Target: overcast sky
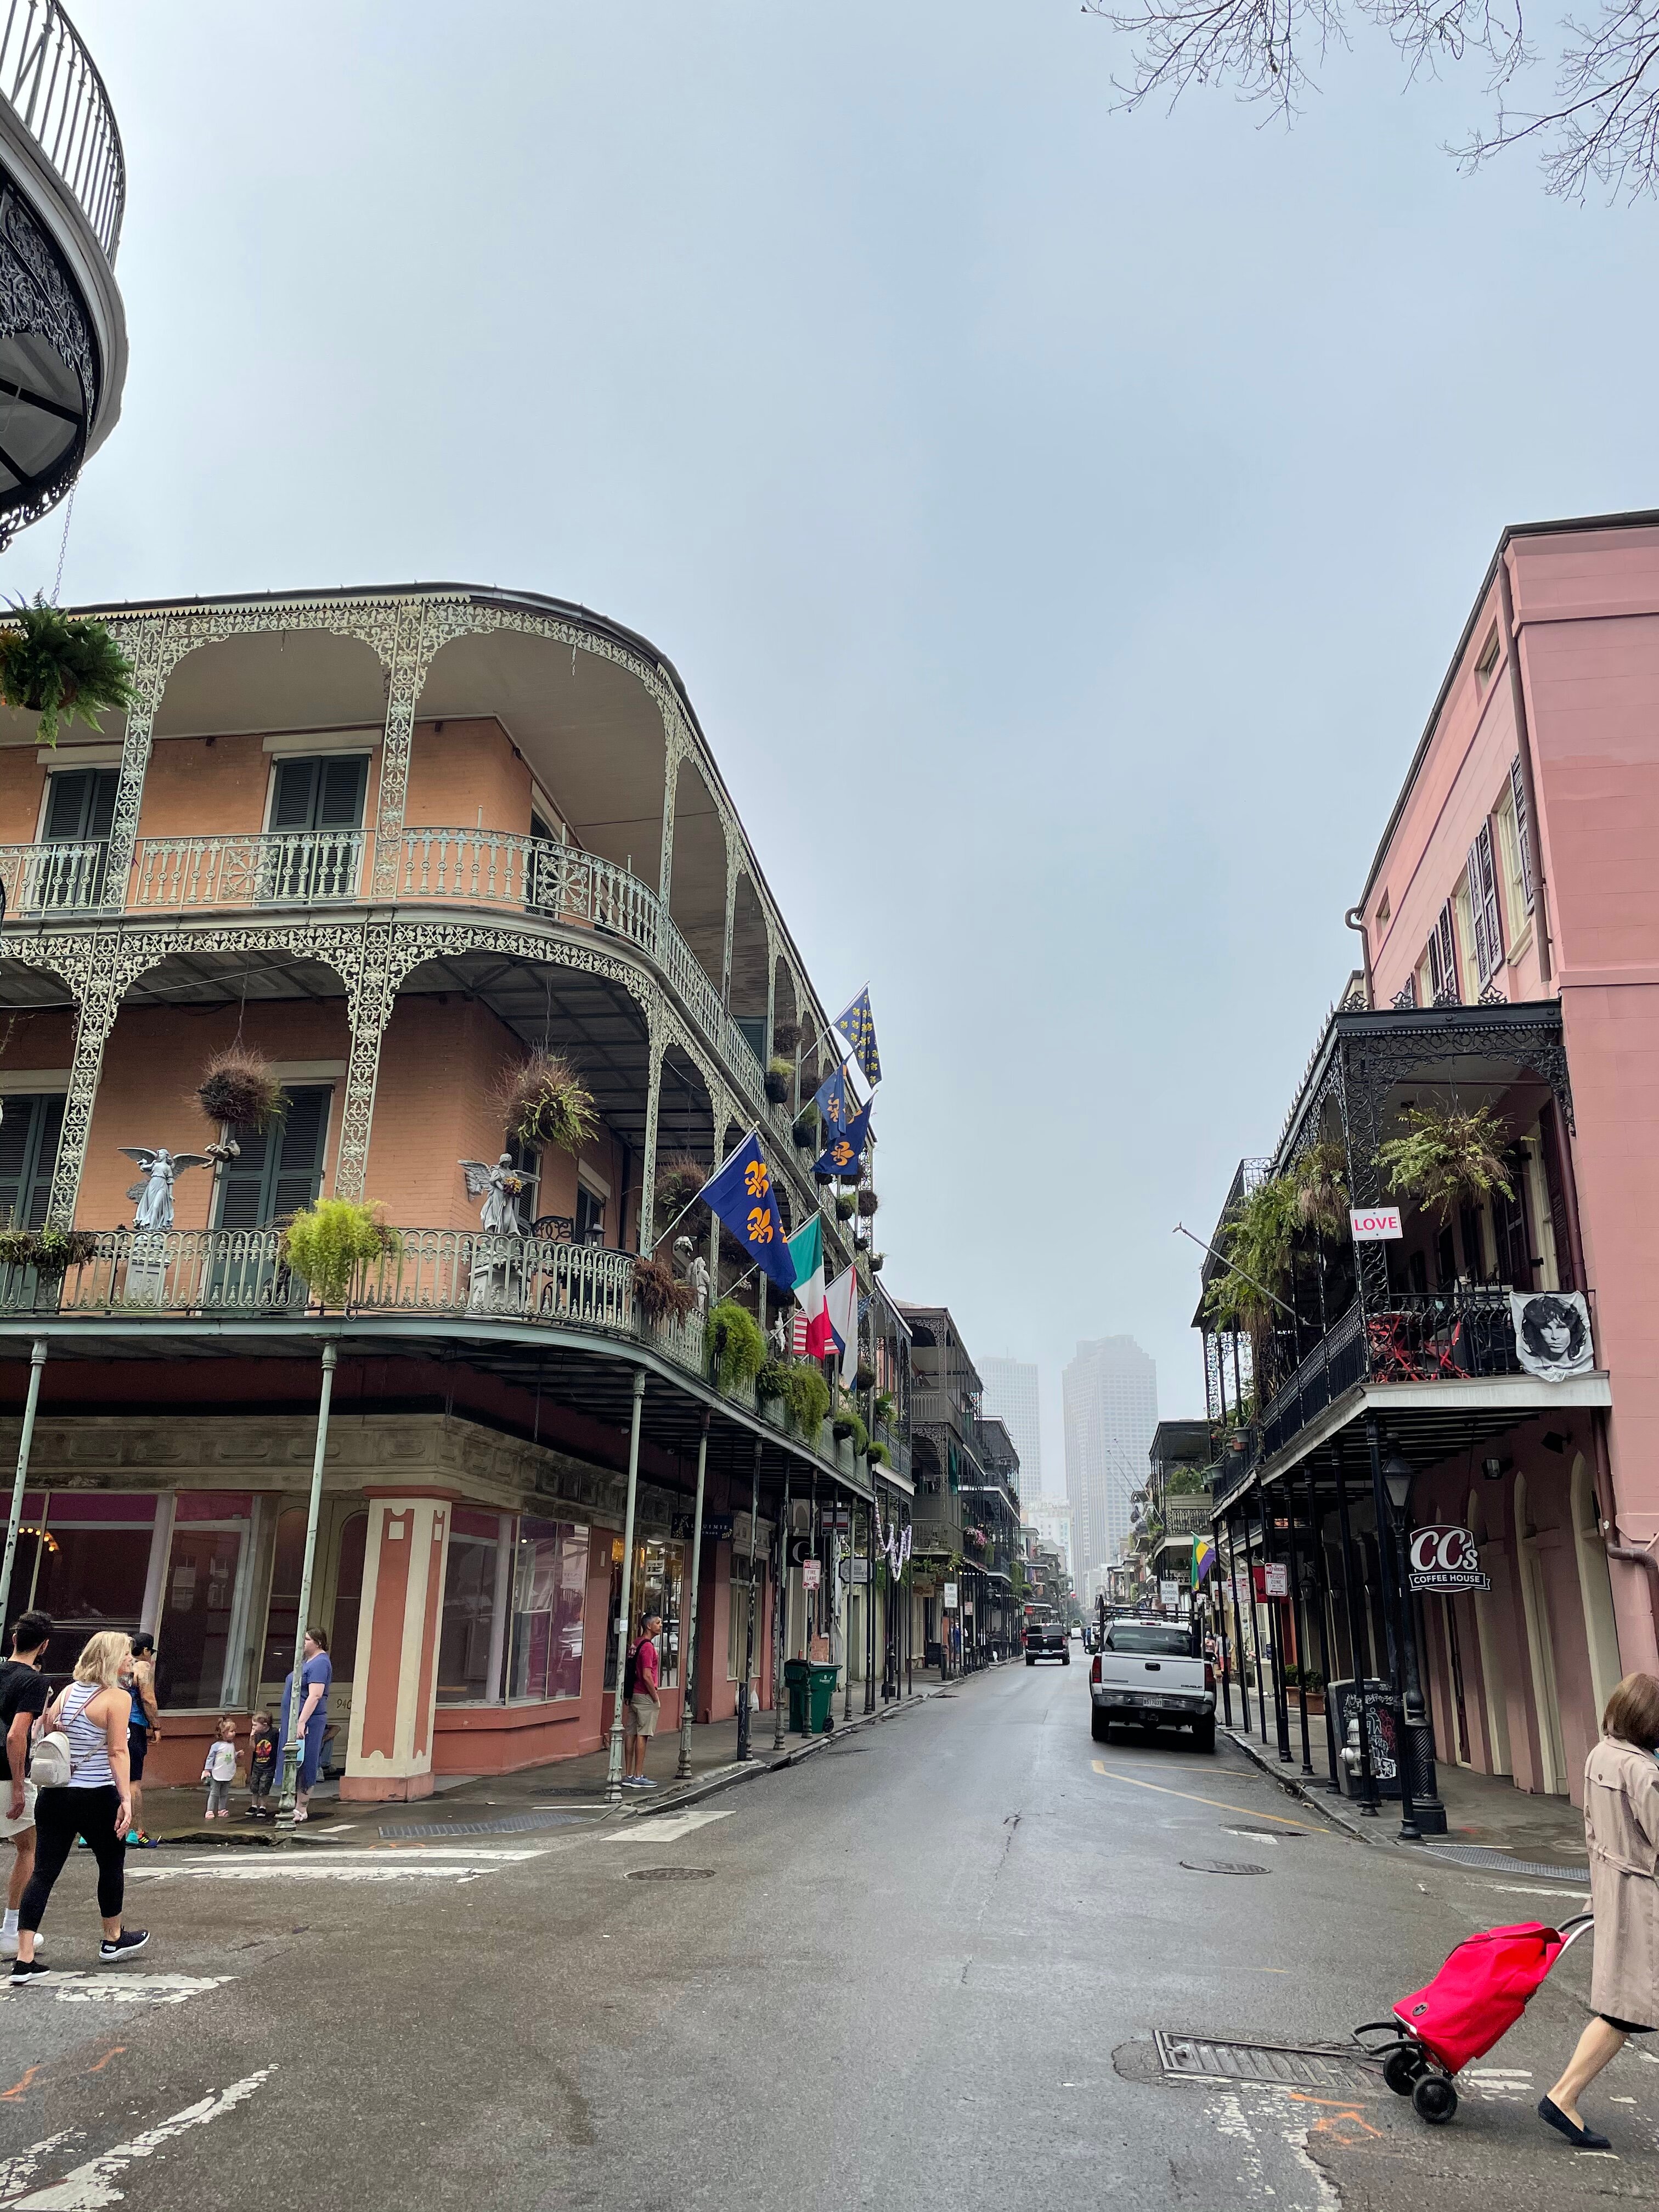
{"points": [[1061, 521]]}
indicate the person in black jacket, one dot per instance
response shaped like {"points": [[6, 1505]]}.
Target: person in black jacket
{"points": [[23, 1696]]}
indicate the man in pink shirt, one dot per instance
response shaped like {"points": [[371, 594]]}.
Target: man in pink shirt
{"points": [[641, 1687]]}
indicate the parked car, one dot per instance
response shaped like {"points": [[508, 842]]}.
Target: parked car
{"points": [[1046, 1639], [1152, 1674]]}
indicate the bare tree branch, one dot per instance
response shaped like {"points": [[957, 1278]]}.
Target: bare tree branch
{"points": [[1601, 127]]}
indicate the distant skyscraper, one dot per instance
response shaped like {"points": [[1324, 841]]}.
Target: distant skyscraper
{"points": [[1111, 1411], [1052, 1519], [1010, 1392]]}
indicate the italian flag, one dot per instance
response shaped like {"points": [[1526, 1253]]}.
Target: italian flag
{"points": [[806, 1251]]}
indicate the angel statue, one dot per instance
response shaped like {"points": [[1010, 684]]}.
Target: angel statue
{"points": [[153, 1194], [500, 1188], [691, 1268]]}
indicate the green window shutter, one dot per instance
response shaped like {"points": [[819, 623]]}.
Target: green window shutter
{"points": [[280, 1171]]}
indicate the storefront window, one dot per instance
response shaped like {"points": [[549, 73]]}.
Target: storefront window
{"points": [[657, 1570], [283, 1614], [348, 1596], [196, 1632], [549, 1589], [83, 1558], [469, 1615]]}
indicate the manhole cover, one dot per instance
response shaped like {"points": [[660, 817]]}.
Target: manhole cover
{"points": [[1297, 2066], [670, 1874], [1221, 1866], [510, 1824], [1481, 1855]]}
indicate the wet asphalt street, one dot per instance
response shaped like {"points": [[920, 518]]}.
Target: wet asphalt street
{"points": [[925, 1967]]}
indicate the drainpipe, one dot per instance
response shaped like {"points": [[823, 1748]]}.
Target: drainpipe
{"points": [[1629, 1555], [688, 1623], [1355, 919], [614, 1765], [37, 1361], [285, 1803], [1528, 781]]}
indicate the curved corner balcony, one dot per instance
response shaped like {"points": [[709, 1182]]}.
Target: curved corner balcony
{"points": [[62, 193]]}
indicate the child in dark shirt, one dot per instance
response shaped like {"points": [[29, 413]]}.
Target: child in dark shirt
{"points": [[261, 1765]]}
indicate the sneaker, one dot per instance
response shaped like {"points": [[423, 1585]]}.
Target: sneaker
{"points": [[644, 1782], [129, 1939], [28, 1970]]}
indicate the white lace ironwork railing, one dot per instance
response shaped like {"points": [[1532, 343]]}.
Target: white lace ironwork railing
{"points": [[51, 83], [63, 878], [307, 867]]}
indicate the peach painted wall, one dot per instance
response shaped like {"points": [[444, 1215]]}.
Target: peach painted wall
{"points": [[459, 771]]}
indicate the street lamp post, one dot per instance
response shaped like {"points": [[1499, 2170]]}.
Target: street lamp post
{"points": [[1394, 1582], [1418, 1739]]}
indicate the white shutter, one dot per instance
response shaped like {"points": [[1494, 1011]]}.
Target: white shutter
{"points": [[1442, 958], [1483, 901]]}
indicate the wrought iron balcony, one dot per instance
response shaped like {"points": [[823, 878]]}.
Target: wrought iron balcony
{"points": [[44, 880], [52, 85], [315, 867]]}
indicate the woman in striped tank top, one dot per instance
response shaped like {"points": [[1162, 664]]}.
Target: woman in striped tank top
{"points": [[95, 1802]]}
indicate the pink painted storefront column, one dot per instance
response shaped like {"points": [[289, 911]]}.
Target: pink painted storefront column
{"points": [[389, 1749]]}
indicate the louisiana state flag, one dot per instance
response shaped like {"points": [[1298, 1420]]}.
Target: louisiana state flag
{"points": [[741, 1197], [858, 1026]]}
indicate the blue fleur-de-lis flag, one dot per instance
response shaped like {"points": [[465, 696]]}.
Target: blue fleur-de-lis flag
{"points": [[834, 1101], [844, 1154], [741, 1197], [858, 1026]]}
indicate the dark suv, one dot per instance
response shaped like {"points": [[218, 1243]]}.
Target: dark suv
{"points": [[1046, 1639]]}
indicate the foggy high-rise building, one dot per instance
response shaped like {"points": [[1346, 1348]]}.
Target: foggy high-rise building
{"points": [[1011, 1394], [1111, 1411]]}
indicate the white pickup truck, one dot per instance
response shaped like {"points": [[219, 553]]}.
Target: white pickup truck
{"points": [[1148, 1674]]}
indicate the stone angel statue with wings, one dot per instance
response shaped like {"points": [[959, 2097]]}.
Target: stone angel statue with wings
{"points": [[153, 1193], [500, 1188]]}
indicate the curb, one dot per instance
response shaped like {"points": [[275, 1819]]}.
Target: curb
{"points": [[1335, 1809], [749, 1770]]}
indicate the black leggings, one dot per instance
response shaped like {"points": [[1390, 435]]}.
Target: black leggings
{"points": [[59, 1816]]}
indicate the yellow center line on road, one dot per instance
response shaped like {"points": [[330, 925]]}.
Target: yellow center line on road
{"points": [[1250, 1812]]}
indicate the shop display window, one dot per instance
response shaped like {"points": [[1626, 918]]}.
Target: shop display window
{"points": [[549, 1590], [199, 1635], [465, 1638]]}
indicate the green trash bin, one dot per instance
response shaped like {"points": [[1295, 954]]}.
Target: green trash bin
{"points": [[797, 1677], [824, 1679]]}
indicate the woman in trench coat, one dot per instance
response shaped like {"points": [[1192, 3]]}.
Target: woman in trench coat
{"points": [[1621, 1827]]}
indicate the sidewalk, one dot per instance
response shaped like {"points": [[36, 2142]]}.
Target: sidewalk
{"points": [[175, 1816], [1482, 1810]]}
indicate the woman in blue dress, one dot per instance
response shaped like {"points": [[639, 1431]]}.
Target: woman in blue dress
{"points": [[316, 1672]]}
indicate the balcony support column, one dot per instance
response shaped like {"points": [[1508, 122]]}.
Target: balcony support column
{"points": [[648, 1154], [371, 995], [100, 982], [153, 650], [1367, 1791], [411, 653]]}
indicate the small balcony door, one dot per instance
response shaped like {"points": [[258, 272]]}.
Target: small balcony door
{"points": [[29, 1153], [316, 846], [277, 1174], [69, 870]]}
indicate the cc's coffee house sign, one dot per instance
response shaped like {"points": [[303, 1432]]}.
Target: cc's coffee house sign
{"points": [[1446, 1560]]}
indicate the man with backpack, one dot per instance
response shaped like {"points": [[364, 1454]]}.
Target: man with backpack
{"points": [[24, 1695], [641, 1698]]}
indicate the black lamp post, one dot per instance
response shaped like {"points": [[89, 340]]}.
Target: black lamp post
{"points": [[1418, 1738]]}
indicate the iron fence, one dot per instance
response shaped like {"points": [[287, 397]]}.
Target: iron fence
{"points": [[53, 85]]}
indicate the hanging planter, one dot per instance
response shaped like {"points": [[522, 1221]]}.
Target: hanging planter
{"points": [[737, 1349], [240, 1085], [865, 1378], [878, 1456], [678, 1181], [1449, 1159], [786, 1036], [804, 1129], [661, 1294], [846, 1206], [544, 1102], [1257, 1242], [823, 1180], [848, 1424], [780, 1081], [1321, 1182], [868, 1202], [768, 1383], [878, 1261], [806, 1394], [61, 667], [329, 1242]]}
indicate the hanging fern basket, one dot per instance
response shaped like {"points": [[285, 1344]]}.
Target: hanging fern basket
{"points": [[661, 1294], [61, 667], [545, 1102], [240, 1085]]}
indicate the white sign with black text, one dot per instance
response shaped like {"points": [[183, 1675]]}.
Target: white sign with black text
{"points": [[1446, 1559]]}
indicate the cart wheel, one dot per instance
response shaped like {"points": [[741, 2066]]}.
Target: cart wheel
{"points": [[1434, 2099], [1401, 2069]]}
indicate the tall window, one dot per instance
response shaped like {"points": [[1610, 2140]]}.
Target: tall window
{"points": [[1488, 927], [1442, 958], [196, 1659], [469, 1616], [317, 806], [80, 808], [280, 1168], [1518, 799], [590, 1216], [550, 1593]]}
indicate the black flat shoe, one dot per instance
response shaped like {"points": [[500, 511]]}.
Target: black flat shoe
{"points": [[1580, 2138]]}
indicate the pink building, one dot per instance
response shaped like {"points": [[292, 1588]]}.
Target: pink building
{"points": [[1510, 932]]}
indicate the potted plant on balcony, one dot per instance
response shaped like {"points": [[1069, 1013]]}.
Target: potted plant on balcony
{"points": [[804, 1129], [1321, 1179], [544, 1102], [846, 1205], [867, 1203], [678, 1181], [864, 1377], [737, 1349], [328, 1243], [786, 1036], [805, 1395], [1257, 1242], [59, 666], [779, 1080], [238, 1085], [878, 1456], [768, 1383], [878, 1261], [661, 1294], [49, 1251], [1449, 1157]]}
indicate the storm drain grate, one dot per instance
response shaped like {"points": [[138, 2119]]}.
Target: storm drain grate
{"points": [[1294, 2066], [510, 1824], [1221, 1866], [1482, 1855], [670, 1874]]}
